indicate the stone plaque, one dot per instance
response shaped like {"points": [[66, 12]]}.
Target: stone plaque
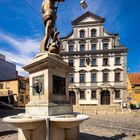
{"points": [[59, 85], [38, 85]]}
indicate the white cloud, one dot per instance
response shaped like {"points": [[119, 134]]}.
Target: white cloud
{"points": [[25, 48]]}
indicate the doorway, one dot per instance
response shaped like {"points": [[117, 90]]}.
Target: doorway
{"points": [[105, 97], [72, 96]]}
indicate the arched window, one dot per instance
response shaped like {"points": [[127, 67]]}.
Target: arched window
{"points": [[82, 33], [93, 32]]}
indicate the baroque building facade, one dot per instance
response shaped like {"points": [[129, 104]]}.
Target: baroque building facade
{"points": [[99, 60]]}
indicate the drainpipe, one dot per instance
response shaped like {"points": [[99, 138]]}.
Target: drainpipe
{"points": [[48, 128]]}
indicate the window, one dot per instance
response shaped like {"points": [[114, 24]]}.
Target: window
{"points": [[117, 76], [82, 62], [22, 85], [94, 62], [82, 34], [105, 46], [82, 94], [93, 77], [117, 94], [7, 85], [82, 77], [105, 77], [93, 94], [21, 99], [117, 61], [71, 48], [82, 47], [71, 78], [105, 62], [93, 32], [1, 85], [93, 47], [71, 62]]}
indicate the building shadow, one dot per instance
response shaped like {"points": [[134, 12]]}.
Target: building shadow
{"points": [[84, 136], [9, 112], [4, 133]]}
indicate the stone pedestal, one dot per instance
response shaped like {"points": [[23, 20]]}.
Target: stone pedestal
{"points": [[49, 115], [52, 73]]}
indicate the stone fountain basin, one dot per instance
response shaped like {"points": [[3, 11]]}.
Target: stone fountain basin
{"points": [[68, 121], [24, 122]]}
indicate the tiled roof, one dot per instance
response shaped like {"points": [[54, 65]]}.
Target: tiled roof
{"points": [[134, 78]]}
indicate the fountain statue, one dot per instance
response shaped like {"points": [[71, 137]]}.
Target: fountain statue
{"points": [[51, 41], [49, 114]]}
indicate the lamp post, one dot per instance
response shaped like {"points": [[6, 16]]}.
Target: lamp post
{"points": [[83, 4]]}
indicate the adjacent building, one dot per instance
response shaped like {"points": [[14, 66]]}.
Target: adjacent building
{"points": [[7, 69], [133, 89], [100, 63], [15, 92]]}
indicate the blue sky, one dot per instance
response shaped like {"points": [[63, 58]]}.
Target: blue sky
{"points": [[21, 28]]}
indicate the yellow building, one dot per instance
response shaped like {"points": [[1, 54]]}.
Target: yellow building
{"points": [[133, 89], [15, 92]]}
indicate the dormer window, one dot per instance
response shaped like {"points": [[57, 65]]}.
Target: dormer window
{"points": [[93, 33], [82, 33]]}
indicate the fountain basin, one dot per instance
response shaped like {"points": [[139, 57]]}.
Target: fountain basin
{"points": [[24, 122], [68, 121]]}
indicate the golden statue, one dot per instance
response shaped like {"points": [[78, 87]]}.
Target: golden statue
{"points": [[49, 18]]}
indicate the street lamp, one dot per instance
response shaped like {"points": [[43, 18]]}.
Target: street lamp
{"points": [[83, 4]]}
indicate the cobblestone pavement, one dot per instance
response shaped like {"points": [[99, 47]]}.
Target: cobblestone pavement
{"points": [[98, 127], [112, 127]]}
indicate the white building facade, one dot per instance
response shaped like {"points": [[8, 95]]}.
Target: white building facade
{"points": [[100, 63]]}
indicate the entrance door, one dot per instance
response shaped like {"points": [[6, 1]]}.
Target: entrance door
{"points": [[72, 97], [105, 97]]}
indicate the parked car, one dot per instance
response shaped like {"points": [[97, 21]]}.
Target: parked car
{"points": [[5, 105]]}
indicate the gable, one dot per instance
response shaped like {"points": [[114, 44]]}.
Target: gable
{"points": [[88, 17]]}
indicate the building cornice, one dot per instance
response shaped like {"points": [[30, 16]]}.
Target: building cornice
{"points": [[86, 38], [118, 50]]}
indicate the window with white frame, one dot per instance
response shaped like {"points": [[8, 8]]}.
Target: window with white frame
{"points": [[117, 60], [93, 94], [117, 76], [105, 46], [117, 94], [82, 94], [71, 78], [71, 48], [82, 47], [82, 33], [82, 62], [93, 33], [82, 77], [71, 62], [93, 77], [93, 46], [105, 62], [93, 62], [105, 76]]}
